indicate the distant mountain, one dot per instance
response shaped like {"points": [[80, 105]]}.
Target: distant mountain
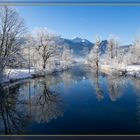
{"points": [[78, 45], [103, 46], [82, 46]]}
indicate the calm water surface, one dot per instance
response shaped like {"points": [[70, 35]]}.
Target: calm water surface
{"points": [[71, 102]]}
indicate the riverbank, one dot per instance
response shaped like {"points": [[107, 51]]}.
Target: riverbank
{"points": [[130, 70], [13, 75]]}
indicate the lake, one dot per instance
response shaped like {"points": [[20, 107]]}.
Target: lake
{"points": [[76, 101]]}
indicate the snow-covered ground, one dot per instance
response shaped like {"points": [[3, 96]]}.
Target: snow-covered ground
{"points": [[16, 74], [133, 70]]}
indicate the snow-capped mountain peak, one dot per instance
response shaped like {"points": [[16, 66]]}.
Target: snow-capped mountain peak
{"points": [[83, 40], [77, 39]]}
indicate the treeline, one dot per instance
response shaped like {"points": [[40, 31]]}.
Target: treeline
{"points": [[115, 55], [12, 29], [43, 50], [19, 48]]}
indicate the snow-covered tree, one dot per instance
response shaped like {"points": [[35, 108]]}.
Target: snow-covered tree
{"points": [[30, 54], [46, 46], [134, 53], [12, 30], [94, 55], [112, 45], [43, 51], [67, 57], [111, 55]]}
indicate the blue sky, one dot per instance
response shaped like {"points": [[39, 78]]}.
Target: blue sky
{"points": [[85, 21]]}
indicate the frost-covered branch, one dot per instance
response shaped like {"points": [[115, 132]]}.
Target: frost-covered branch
{"points": [[12, 29]]}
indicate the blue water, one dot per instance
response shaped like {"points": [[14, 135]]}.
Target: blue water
{"points": [[76, 101]]}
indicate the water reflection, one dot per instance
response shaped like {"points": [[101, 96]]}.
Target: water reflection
{"points": [[42, 100], [136, 84], [47, 105], [96, 83], [13, 115], [67, 80], [71, 78], [23, 103], [98, 89], [116, 86]]}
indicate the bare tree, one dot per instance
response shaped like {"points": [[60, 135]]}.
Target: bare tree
{"points": [[67, 57], [94, 55], [29, 52], [111, 53], [97, 50], [134, 53], [46, 45], [11, 33]]}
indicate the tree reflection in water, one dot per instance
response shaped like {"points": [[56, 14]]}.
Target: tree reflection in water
{"points": [[23, 103], [99, 91], [116, 86], [34, 101], [47, 105], [67, 80], [43, 103], [95, 81], [12, 119]]}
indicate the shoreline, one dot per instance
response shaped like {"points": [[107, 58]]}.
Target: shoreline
{"points": [[130, 70], [15, 76], [23, 74]]}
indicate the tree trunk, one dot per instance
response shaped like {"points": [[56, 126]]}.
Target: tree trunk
{"points": [[44, 66], [97, 67]]}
